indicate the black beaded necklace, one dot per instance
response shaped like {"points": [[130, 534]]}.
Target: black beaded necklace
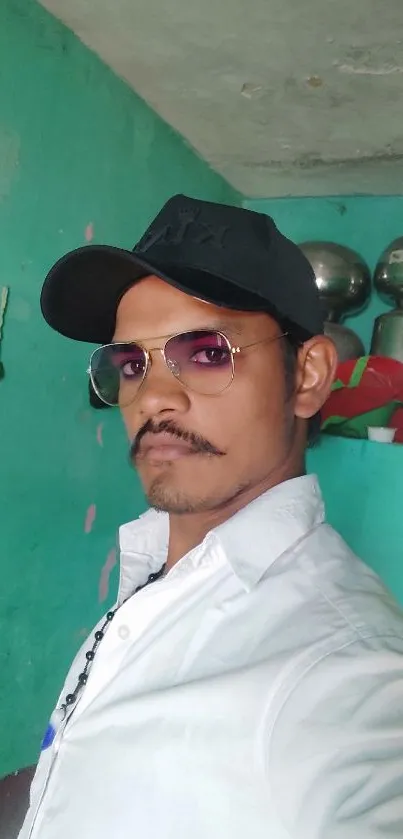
{"points": [[71, 698]]}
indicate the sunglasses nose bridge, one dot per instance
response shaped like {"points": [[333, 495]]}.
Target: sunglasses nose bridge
{"points": [[153, 351], [171, 365]]}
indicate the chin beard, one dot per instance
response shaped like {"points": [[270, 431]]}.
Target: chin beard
{"points": [[166, 499]]}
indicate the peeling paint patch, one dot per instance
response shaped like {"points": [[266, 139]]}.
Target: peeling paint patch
{"points": [[20, 310], [90, 518], [365, 70], [89, 232], [314, 81], [105, 575], [249, 90], [100, 429], [341, 208]]}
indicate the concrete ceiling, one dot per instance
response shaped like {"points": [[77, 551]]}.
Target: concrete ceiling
{"points": [[283, 97]]}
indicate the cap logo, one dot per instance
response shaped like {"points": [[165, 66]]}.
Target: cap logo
{"points": [[188, 229]]}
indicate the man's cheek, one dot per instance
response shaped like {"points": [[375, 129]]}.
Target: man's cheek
{"points": [[130, 424]]}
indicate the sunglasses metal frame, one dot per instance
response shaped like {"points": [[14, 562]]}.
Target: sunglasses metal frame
{"points": [[234, 350]]}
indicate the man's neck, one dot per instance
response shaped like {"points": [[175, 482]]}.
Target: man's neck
{"points": [[188, 530]]}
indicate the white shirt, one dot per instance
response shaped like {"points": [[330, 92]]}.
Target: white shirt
{"points": [[255, 692]]}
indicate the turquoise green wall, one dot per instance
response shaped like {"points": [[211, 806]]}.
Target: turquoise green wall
{"points": [[362, 481], [77, 148]]}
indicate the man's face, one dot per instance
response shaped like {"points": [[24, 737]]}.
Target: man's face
{"points": [[226, 444]]}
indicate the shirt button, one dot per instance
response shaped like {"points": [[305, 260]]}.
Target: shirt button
{"points": [[123, 632]]}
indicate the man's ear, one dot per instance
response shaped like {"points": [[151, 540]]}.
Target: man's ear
{"points": [[316, 369]]}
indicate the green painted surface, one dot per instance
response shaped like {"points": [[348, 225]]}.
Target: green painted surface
{"points": [[365, 223], [77, 147], [362, 481]]}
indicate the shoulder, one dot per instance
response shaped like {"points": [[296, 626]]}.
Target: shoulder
{"points": [[348, 586]]}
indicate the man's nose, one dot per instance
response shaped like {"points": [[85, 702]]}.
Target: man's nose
{"points": [[160, 391]]}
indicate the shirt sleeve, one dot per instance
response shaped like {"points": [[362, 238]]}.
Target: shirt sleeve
{"points": [[335, 752]]}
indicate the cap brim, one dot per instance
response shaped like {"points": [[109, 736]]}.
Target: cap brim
{"points": [[82, 291]]}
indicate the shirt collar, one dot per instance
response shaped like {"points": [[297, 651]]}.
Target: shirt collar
{"points": [[143, 550], [269, 526], [251, 540]]}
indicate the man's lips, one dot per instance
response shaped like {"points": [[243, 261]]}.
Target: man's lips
{"points": [[163, 447]]}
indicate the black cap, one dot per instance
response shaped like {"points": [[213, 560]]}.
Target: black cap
{"points": [[228, 256]]}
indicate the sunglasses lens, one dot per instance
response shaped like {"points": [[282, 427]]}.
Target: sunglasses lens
{"points": [[117, 371], [202, 361]]}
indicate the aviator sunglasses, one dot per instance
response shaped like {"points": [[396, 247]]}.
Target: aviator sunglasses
{"points": [[202, 360]]}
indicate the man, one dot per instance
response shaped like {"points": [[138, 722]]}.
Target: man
{"points": [[249, 681]]}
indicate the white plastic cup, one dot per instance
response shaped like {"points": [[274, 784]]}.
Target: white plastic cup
{"points": [[381, 434]]}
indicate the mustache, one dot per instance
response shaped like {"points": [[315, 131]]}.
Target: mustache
{"points": [[198, 444]]}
